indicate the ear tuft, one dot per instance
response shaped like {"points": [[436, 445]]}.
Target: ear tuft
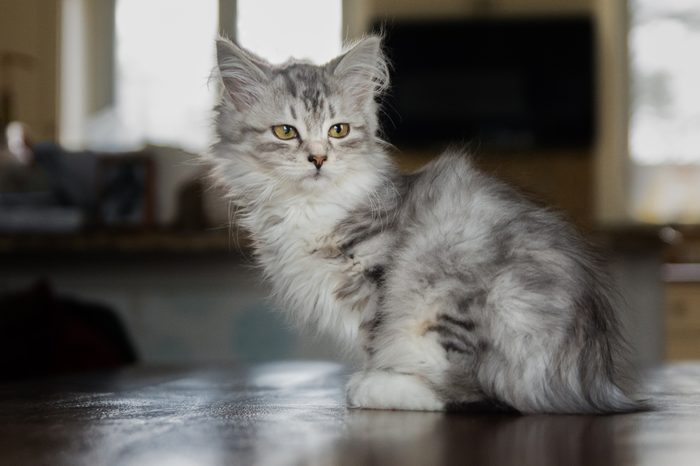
{"points": [[243, 74], [363, 68]]}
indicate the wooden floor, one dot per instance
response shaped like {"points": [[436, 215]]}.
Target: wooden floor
{"points": [[293, 414]]}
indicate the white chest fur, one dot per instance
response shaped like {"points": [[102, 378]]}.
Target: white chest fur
{"points": [[303, 282]]}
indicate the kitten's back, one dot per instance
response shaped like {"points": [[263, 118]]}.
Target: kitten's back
{"points": [[523, 300]]}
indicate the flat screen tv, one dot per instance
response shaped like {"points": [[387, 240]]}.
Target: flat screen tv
{"points": [[499, 84]]}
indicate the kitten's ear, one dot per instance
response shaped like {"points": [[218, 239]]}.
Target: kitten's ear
{"points": [[243, 74], [363, 69]]}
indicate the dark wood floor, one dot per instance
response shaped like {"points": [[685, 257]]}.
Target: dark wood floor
{"points": [[293, 414]]}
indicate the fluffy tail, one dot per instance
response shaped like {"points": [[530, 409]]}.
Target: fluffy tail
{"points": [[592, 381], [580, 382], [606, 397]]}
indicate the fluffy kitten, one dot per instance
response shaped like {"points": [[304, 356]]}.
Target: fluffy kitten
{"points": [[459, 290]]}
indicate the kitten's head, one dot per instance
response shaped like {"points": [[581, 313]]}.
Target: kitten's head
{"points": [[300, 127]]}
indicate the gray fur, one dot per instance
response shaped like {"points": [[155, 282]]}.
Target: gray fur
{"points": [[521, 253], [505, 292]]}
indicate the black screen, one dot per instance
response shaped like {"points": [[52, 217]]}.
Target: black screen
{"points": [[502, 84]]}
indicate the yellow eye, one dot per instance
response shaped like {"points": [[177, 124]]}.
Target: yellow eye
{"points": [[339, 130], [284, 132]]}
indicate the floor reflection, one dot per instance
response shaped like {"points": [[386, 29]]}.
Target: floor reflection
{"points": [[294, 414], [408, 438]]}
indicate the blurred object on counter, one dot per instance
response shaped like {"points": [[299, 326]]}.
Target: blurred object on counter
{"points": [[46, 189], [42, 333], [19, 142], [125, 190]]}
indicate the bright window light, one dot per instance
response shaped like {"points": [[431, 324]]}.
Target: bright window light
{"points": [[277, 30], [664, 46], [164, 56]]}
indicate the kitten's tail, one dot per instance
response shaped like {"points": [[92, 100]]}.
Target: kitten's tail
{"points": [[562, 396], [607, 397], [578, 384], [595, 381]]}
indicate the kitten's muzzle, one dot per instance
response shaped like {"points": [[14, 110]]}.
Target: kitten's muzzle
{"points": [[317, 160]]}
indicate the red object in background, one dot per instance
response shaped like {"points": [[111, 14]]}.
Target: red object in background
{"points": [[45, 334]]}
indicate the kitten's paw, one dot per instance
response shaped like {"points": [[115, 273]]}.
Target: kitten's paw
{"points": [[389, 390], [354, 267], [327, 252], [326, 246]]}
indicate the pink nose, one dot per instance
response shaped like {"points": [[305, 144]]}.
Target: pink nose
{"points": [[317, 160]]}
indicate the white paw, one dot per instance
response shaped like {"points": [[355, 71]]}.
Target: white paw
{"points": [[390, 390], [328, 252], [354, 267], [328, 239], [327, 246]]}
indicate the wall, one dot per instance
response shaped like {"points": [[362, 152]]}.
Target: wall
{"points": [[30, 27], [100, 50], [86, 74], [612, 166]]}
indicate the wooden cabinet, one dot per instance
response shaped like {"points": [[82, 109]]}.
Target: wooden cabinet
{"points": [[683, 321]]}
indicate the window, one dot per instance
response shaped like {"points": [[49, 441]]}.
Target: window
{"points": [[164, 55], [664, 137], [278, 30], [665, 51]]}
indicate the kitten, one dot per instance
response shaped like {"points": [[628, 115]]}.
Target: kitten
{"points": [[459, 291]]}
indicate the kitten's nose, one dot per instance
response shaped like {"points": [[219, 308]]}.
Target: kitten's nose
{"points": [[317, 160]]}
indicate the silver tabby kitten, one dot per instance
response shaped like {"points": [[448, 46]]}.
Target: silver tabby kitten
{"points": [[459, 291]]}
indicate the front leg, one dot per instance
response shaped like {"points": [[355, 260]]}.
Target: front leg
{"points": [[381, 389]]}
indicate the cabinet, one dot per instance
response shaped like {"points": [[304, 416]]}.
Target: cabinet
{"points": [[683, 321]]}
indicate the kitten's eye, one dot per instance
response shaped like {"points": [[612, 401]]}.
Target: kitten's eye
{"points": [[339, 130], [284, 132]]}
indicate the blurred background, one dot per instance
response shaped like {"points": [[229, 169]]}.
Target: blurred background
{"points": [[113, 249]]}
